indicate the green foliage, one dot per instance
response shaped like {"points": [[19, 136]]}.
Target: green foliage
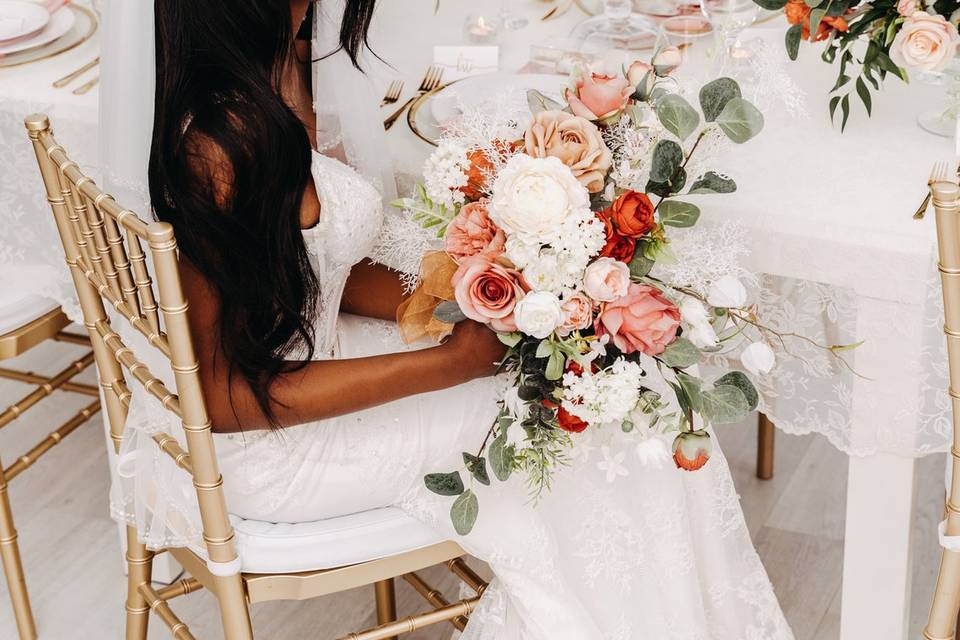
{"points": [[464, 512], [444, 484], [725, 404], [792, 39], [449, 311], [539, 102], [426, 212], [680, 354], [675, 213], [715, 95], [677, 116], [477, 468], [501, 457], [740, 380], [740, 120], [667, 158], [712, 182]]}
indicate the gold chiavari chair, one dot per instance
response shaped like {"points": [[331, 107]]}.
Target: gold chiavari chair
{"points": [[103, 246], [32, 320], [942, 622]]}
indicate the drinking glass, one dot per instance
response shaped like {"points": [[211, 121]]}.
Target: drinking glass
{"points": [[509, 18], [618, 27], [729, 18]]}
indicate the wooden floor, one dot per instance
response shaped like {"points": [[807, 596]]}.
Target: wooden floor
{"points": [[71, 555]]}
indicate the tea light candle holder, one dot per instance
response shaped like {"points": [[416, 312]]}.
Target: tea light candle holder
{"points": [[480, 29]]}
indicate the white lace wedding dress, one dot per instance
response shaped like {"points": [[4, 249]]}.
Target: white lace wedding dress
{"points": [[656, 554], [620, 549]]}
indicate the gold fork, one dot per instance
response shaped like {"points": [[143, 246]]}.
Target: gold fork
{"points": [[431, 80], [393, 93], [937, 174]]}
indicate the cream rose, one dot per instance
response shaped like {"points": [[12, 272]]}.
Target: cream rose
{"points": [[925, 42], [575, 141], [537, 314], [533, 196], [606, 279]]}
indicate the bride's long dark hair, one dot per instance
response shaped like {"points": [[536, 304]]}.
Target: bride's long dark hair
{"points": [[219, 68]]}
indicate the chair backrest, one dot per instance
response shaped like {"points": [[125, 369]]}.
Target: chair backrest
{"points": [[103, 245]]}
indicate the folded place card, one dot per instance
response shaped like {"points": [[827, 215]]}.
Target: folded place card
{"points": [[462, 61]]}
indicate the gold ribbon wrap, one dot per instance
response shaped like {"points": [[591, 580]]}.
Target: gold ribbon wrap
{"points": [[415, 314]]}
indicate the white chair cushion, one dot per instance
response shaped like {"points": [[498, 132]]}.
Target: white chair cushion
{"points": [[17, 308], [267, 547]]}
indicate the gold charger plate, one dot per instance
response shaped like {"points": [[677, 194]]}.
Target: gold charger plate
{"points": [[423, 132], [83, 29]]}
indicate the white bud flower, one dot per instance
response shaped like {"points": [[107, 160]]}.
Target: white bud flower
{"points": [[758, 358], [727, 293]]}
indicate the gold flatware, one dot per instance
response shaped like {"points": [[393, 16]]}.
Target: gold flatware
{"points": [[557, 10], [393, 93], [85, 87], [67, 79], [937, 174], [431, 80]]}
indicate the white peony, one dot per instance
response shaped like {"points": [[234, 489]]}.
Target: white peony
{"points": [[700, 332], [533, 196], [727, 293], [758, 358], [538, 313]]}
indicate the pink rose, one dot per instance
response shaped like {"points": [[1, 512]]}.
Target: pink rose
{"points": [[636, 74], [487, 291], [606, 279], [907, 8], [577, 314], [598, 96], [925, 42], [643, 320], [472, 232]]}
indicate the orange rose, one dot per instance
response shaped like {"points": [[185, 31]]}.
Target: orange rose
{"points": [[798, 12], [566, 420], [632, 214], [481, 167], [618, 247]]}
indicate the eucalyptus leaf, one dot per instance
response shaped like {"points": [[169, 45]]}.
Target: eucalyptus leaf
{"points": [[692, 386], [792, 40], [740, 380], [539, 102], [555, 366], [444, 484], [771, 5], [725, 404], [715, 95], [680, 353], [740, 120], [675, 213], [668, 188], [510, 339], [501, 457], [545, 349], [477, 468], [712, 182], [449, 312], [464, 512], [667, 157], [640, 265], [677, 116]]}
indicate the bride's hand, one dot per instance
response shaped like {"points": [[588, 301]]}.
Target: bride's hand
{"points": [[474, 349]]}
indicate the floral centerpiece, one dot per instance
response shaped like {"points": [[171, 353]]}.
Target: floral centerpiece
{"points": [[869, 40], [555, 232]]}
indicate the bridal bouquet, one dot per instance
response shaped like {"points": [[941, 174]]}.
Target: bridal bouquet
{"points": [[556, 232], [872, 39]]}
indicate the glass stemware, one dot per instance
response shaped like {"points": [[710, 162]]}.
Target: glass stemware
{"points": [[618, 27], [509, 18], [729, 18]]}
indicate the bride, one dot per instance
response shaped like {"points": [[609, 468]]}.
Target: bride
{"points": [[321, 410]]}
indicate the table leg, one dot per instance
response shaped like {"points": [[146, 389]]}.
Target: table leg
{"points": [[876, 556]]}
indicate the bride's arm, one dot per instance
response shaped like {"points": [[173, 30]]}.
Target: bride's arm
{"points": [[328, 388], [373, 290]]}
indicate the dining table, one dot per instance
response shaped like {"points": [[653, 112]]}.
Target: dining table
{"points": [[827, 216]]}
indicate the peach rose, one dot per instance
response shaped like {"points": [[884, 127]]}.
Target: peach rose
{"points": [[487, 291], [472, 232], [907, 8], [597, 96], [575, 141], [636, 74], [577, 314], [643, 320], [925, 42], [606, 279], [667, 59]]}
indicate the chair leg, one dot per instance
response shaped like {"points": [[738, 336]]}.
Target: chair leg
{"points": [[765, 440], [386, 602], [234, 611], [139, 566], [10, 552]]}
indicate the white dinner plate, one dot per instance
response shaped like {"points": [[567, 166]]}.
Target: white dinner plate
{"points": [[19, 18], [60, 23], [476, 91]]}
